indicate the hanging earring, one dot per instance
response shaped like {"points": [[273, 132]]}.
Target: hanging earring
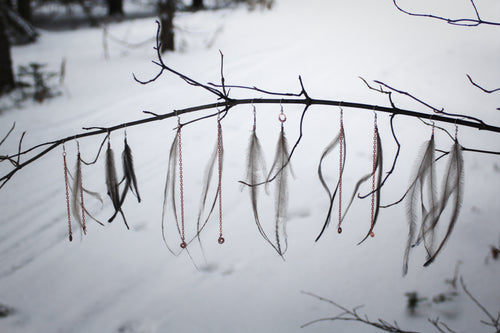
{"points": [[256, 171], [338, 140], [181, 183], [67, 192], [375, 143], [341, 166], [279, 169], [79, 179], [219, 159]]}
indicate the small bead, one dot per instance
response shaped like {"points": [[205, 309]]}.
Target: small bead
{"points": [[372, 234], [183, 245], [70, 237], [221, 240], [339, 230]]}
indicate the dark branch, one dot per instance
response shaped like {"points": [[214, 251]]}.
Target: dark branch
{"points": [[352, 315], [466, 22], [483, 89]]}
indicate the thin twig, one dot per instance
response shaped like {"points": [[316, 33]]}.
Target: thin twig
{"points": [[8, 133], [483, 89], [466, 22], [352, 315]]}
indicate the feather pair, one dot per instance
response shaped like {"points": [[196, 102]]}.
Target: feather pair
{"points": [[279, 173], [430, 212], [112, 184], [256, 173]]}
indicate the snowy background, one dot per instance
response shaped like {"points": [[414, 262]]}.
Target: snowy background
{"points": [[118, 280]]}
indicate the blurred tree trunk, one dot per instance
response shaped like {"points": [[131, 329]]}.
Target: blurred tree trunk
{"points": [[24, 9], [166, 11], [6, 74], [197, 4], [115, 7]]}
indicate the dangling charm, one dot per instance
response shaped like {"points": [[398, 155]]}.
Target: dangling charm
{"points": [[79, 180], [219, 160], [338, 140], [67, 192], [375, 136], [181, 184], [279, 173], [341, 167]]}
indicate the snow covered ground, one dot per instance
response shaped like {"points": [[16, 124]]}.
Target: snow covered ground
{"points": [[118, 280]]}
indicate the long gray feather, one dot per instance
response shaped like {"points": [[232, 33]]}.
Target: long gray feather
{"points": [[452, 187], [424, 173], [129, 173], [112, 185], [170, 188], [207, 181], [331, 196], [280, 169], [96, 195], [255, 170], [379, 166]]}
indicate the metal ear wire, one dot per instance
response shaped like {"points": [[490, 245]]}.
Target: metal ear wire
{"points": [[282, 116]]}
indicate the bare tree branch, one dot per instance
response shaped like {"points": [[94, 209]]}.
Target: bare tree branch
{"points": [[352, 315], [483, 89], [466, 22]]}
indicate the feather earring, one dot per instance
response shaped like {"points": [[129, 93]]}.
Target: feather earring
{"points": [[256, 167], [170, 188], [377, 166], [67, 192], [338, 140], [375, 157], [77, 197], [217, 156], [280, 169], [220, 240], [112, 184], [128, 172], [181, 187], [452, 189], [425, 178], [341, 166]]}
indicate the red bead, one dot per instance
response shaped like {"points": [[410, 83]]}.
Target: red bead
{"points": [[372, 234], [339, 230], [183, 245], [221, 240]]}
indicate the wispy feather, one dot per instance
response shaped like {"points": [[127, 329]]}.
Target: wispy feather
{"points": [[128, 173], [452, 189], [77, 188], [112, 185], [331, 195], [379, 165], [77, 206], [280, 169], [207, 181], [378, 169], [256, 172], [424, 178], [170, 190]]}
